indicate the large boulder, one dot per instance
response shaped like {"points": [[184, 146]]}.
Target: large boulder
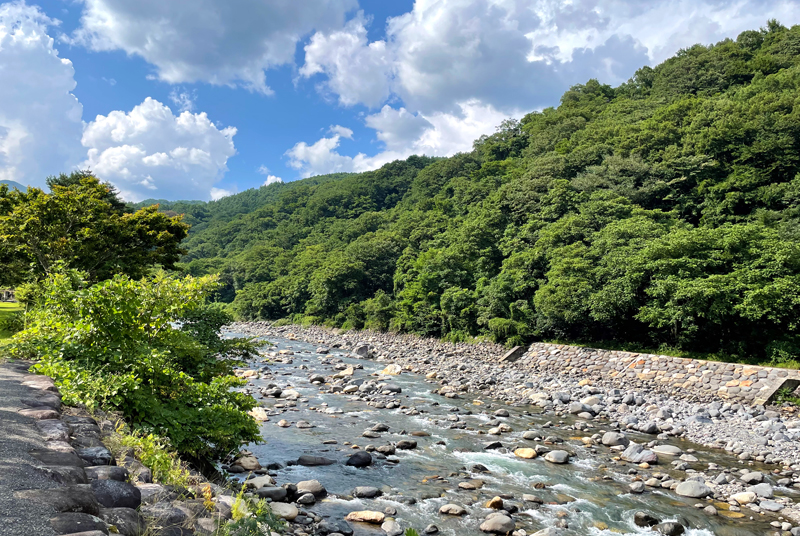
{"points": [[115, 494]]}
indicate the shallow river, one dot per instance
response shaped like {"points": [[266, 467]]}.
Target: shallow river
{"points": [[591, 499]]}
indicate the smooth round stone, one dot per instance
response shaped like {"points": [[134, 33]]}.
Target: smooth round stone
{"points": [[557, 456], [284, 510]]}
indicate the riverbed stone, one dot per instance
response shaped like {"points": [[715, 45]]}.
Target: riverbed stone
{"points": [[359, 459], [452, 510], [614, 439], [670, 528], [501, 524], [285, 511], [366, 516], [273, 493], [668, 450], [312, 461], [557, 456], [366, 492], [643, 519], [693, 489], [311, 486]]}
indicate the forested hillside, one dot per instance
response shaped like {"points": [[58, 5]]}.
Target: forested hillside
{"points": [[664, 212]]}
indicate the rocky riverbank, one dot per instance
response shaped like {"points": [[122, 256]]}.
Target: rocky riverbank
{"points": [[92, 487], [756, 475]]}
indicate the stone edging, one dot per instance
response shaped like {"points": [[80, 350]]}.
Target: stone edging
{"points": [[733, 381]]}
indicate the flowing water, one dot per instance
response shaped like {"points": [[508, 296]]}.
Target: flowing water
{"points": [[590, 493]]}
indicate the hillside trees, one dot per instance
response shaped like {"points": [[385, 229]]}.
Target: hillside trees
{"points": [[661, 213]]}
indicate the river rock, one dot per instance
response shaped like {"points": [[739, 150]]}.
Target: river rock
{"points": [[273, 493], [431, 529], [391, 527], [636, 453], [670, 528], [753, 477], [501, 524], [311, 486], [284, 510], [614, 439], [306, 499], [495, 503], [406, 444], [745, 497], [643, 519], [669, 450], [248, 463], [452, 510], [770, 506], [763, 490], [392, 370], [636, 487], [693, 489], [366, 516], [312, 461], [359, 459], [557, 456], [526, 453], [259, 482], [259, 414], [366, 492]]}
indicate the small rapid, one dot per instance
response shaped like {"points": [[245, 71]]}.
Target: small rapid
{"points": [[588, 495]]}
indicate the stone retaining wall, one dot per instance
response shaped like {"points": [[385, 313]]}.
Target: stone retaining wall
{"points": [[745, 383]]}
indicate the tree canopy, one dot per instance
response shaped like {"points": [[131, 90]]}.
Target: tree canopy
{"points": [[82, 224], [664, 213]]}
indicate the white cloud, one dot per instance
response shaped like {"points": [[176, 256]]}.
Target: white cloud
{"points": [[230, 42], [271, 179], [183, 100], [515, 54], [149, 152], [339, 130], [403, 134], [219, 193], [346, 56], [40, 119]]}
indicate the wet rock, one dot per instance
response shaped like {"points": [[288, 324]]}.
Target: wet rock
{"points": [[763, 490], [452, 510], [693, 489], [127, 520], [406, 444], [259, 482], [359, 459], [273, 493], [312, 461], [770, 506], [636, 453], [306, 499], [114, 494], [526, 453], [744, 498], [311, 486], [492, 445], [248, 463], [500, 524], [366, 492], [636, 487], [557, 456], [366, 516], [753, 477], [496, 503], [431, 529], [643, 519], [670, 528]]}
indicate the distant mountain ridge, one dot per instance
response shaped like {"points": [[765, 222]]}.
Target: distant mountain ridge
{"points": [[14, 184]]}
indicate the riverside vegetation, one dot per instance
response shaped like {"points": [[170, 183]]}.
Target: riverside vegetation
{"points": [[659, 214]]}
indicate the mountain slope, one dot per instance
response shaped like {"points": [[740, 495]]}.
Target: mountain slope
{"points": [[664, 212]]}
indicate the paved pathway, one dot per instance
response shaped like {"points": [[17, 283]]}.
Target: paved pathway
{"points": [[18, 435]]}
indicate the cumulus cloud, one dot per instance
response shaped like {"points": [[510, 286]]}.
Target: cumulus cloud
{"points": [[40, 119], [271, 179], [150, 152], [517, 53], [183, 100], [229, 42], [219, 193], [402, 134]]}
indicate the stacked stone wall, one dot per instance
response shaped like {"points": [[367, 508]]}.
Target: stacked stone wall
{"points": [[745, 383]]}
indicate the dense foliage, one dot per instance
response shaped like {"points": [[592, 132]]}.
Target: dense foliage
{"points": [[147, 348], [83, 224], [662, 213]]}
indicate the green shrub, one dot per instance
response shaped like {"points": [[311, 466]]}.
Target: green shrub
{"points": [[149, 349]]}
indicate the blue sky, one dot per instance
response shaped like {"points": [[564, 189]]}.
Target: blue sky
{"points": [[202, 98]]}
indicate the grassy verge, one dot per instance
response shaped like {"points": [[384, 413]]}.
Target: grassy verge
{"points": [[7, 310]]}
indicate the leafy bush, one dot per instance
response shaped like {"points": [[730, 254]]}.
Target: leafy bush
{"points": [[250, 518], [153, 451], [149, 349]]}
